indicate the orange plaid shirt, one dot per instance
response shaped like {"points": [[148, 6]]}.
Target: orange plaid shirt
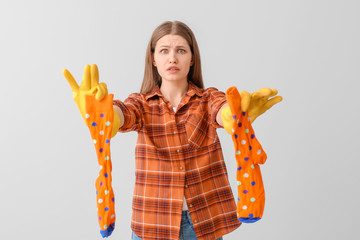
{"points": [[179, 153]]}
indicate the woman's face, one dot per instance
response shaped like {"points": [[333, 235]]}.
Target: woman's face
{"points": [[172, 58]]}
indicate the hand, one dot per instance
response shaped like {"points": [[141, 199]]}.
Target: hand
{"points": [[255, 103], [260, 102], [89, 86]]}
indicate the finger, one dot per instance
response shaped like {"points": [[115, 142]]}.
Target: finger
{"points": [[94, 76], [273, 101], [245, 100], [262, 92], [85, 83], [71, 80], [102, 91], [106, 90], [273, 92]]}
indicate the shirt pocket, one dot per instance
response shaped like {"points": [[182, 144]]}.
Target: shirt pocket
{"points": [[198, 130]]}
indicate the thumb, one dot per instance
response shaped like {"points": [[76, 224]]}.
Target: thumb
{"points": [[101, 91], [71, 80], [245, 100]]}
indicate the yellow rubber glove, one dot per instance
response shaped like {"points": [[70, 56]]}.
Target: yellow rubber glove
{"points": [[255, 103], [260, 102], [90, 86]]}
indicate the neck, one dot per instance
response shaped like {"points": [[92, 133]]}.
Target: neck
{"points": [[174, 91]]}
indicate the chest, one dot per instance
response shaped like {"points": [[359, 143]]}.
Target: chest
{"points": [[166, 126]]}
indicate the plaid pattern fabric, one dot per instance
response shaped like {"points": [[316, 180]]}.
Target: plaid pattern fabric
{"points": [[179, 153]]}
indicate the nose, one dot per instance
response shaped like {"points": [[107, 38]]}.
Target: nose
{"points": [[172, 57]]}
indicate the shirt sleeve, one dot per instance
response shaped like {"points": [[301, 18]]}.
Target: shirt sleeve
{"points": [[216, 100], [132, 110]]}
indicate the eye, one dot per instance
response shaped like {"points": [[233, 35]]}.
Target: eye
{"points": [[181, 50], [163, 50]]}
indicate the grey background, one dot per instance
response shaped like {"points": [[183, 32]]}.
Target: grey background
{"points": [[308, 50]]}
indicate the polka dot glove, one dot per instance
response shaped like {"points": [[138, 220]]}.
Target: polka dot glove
{"points": [[99, 117], [249, 154]]}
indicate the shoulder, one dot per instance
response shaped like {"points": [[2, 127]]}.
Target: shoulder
{"points": [[204, 92], [135, 98], [212, 92]]}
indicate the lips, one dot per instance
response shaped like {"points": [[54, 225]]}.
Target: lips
{"points": [[173, 68]]}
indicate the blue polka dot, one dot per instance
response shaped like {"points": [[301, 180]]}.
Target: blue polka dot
{"points": [[101, 150], [252, 136], [239, 168], [234, 116], [106, 175], [244, 113], [106, 209], [250, 147], [102, 115], [96, 192], [101, 183], [100, 218], [94, 124], [245, 191], [107, 141], [238, 199], [246, 158], [236, 136], [113, 199], [253, 183], [251, 215], [239, 125]]}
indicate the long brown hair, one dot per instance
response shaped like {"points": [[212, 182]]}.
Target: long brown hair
{"points": [[151, 75]]}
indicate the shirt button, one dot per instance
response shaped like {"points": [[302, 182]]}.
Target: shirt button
{"points": [[195, 220], [178, 150], [181, 168], [186, 186], [190, 205], [174, 132]]}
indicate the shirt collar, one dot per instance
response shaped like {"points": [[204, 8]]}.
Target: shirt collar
{"points": [[193, 89]]}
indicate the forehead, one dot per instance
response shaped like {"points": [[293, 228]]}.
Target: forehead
{"points": [[172, 41]]}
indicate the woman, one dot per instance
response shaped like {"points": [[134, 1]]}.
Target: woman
{"points": [[181, 188]]}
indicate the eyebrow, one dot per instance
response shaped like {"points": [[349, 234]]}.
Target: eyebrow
{"points": [[169, 46]]}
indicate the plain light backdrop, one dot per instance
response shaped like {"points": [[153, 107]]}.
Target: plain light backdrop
{"points": [[307, 49]]}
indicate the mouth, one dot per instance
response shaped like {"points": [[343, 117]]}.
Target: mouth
{"points": [[173, 69]]}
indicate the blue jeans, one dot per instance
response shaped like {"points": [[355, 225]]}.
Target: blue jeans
{"points": [[186, 229]]}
